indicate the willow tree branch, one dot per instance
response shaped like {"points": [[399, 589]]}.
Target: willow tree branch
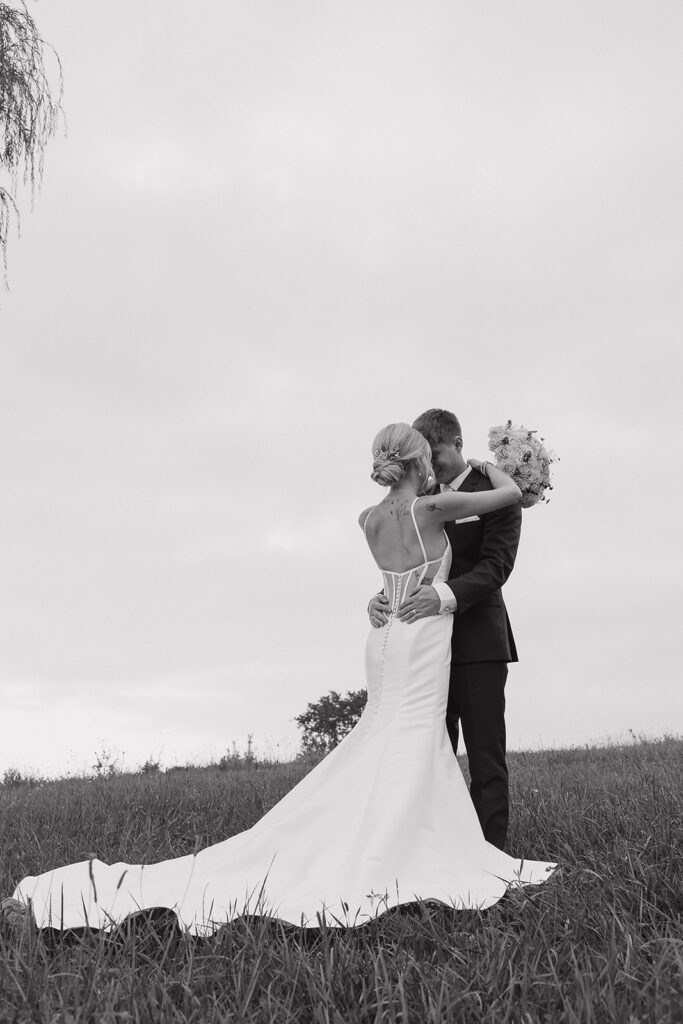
{"points": [[30, 108]]}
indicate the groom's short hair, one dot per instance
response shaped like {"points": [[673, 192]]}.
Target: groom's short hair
{"points": [[438, 426]]}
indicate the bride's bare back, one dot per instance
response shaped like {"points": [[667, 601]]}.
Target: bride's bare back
{"points": [[393, 536]]}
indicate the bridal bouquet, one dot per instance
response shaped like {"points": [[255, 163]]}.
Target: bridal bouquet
{"points": [[524, 457]]}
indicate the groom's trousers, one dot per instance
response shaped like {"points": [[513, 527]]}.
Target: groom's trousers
{"points": [[476, 705]]}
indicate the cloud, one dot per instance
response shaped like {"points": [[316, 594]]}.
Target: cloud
{"points": [[310, 538], [161, 169]]}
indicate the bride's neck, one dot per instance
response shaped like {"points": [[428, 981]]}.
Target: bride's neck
{"points": [[403, 491], [408, 487]]}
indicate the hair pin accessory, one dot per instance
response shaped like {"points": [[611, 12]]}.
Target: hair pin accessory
{"points": [[390, 456]]}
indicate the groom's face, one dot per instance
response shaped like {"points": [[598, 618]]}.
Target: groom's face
{"points": [[447, 461]]}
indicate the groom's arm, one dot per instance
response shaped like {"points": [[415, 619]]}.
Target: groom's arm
{"points": [[499, 543]]}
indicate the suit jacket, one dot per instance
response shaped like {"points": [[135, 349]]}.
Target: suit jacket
{"points": [[484, 551]]}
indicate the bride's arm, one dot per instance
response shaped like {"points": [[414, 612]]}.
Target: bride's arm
{"points": [[451, 505]]}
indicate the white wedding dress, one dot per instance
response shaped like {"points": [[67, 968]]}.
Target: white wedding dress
{"points": [[384, 819]]}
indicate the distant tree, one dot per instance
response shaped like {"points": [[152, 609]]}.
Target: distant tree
{"points": [[327, 721], [29, 108]]}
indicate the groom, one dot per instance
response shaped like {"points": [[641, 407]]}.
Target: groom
{"points": [[484, 549]]}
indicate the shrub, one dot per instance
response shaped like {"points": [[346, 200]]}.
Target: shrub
{"points": [[327, 721]]}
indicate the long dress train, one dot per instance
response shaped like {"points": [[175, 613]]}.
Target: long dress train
{"points": [[384, 819]]}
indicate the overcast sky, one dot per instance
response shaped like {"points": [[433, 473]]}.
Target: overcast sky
{"points": [[272, 228]]}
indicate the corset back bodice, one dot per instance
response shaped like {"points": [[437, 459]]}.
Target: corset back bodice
{"points": [[399, 585]]}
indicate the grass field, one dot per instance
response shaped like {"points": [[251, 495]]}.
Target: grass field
{"points": [[602, 941]]}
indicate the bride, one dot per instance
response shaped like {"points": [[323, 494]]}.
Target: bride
{"points": [[386, 817]]}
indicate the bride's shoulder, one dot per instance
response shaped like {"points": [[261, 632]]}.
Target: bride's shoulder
{"points": [[364, 515]]}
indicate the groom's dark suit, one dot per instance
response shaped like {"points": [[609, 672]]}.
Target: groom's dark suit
{"points": [[484, 550]]}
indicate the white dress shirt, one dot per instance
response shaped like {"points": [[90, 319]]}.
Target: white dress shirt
{"points": [[448, 602]]}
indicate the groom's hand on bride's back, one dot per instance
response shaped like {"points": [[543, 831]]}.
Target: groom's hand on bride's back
{"points": [[425, 601], [378, 610]]}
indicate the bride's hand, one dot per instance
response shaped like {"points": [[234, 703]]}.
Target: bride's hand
{"points": [[378, 610], [478, 464]]}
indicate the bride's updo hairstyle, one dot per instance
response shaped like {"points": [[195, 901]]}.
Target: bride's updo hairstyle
{"points": [[394, 447]]}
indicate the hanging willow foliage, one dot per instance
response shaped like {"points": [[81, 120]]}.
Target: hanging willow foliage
{"points": [[29, 108]]}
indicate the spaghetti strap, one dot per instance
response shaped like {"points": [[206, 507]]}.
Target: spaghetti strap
{"points": [[365, 521], [417, 531]]}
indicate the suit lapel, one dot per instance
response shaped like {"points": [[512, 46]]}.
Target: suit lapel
{"points": [[472, 481]]}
